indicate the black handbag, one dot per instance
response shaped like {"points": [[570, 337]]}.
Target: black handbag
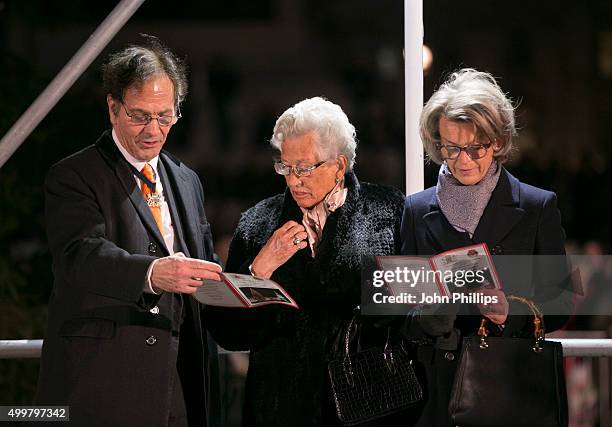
{"points": [[510, 382], [373, 383]]}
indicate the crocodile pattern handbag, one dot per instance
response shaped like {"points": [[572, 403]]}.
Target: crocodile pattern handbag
{"points": [[372, 383]]}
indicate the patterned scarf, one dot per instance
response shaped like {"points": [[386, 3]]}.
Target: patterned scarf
{"points": [[314, 218], [463, 205]]}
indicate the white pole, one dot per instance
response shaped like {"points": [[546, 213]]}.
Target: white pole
{"points": [[413, 83], [66, 77]]}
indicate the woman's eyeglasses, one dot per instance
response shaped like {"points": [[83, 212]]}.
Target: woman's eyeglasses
{"points": [[474, 151], [299, 171]]}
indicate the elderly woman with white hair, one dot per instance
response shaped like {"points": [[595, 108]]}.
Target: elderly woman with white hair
{"points": [[309, 239], [467, 127]]}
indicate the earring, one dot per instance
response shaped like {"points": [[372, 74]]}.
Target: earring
{"points": [[337, 180]]}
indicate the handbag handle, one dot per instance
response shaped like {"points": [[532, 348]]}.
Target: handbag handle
{"points": [[347, 366], [346, 361], [538, 324]]}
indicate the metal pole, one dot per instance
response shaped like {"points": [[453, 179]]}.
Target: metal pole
{"points": [[413, 83], [66, 77], [604, 391]]}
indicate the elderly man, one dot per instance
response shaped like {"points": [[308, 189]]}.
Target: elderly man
{"points": [[130, 241]]}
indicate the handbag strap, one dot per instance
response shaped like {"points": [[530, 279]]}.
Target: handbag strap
{"points": [[346, 359], [538, 324], [347, 366], [347, 335]]}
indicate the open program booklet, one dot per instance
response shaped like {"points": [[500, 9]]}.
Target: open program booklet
{"points": [[456, 271], [242, 290]]}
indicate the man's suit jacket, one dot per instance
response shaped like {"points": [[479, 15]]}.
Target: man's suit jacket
{"points": [[518, 220], [108, 348]]}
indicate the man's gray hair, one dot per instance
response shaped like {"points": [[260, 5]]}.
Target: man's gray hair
{"points": [[474, 97], [136, 64], [336, 135]]}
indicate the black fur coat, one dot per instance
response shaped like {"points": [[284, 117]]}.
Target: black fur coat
{"points": [[287, 382]]}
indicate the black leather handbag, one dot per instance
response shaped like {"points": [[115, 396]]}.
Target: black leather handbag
{"points": [[373, 383], [510, 382]]}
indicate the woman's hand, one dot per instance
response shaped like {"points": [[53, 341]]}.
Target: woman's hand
{"points": [[279, 248], [498, 312]]}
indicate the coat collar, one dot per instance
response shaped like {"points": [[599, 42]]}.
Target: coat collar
{"points": [[331, 240], [174, 175], [291, 211], [498, 219]]}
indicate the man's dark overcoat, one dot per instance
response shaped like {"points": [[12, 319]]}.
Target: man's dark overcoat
{"points": [[108, 350]]}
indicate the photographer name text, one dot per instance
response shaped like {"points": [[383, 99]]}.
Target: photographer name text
{"points": [[463, 298]]}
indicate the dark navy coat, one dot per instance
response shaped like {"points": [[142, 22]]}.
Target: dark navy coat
{"points": [[518, 220]]}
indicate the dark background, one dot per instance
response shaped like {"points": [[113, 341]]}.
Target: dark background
{"points": [[251, 59]]}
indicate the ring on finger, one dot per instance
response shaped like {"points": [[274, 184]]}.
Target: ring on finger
{"points": [[296, 240]]}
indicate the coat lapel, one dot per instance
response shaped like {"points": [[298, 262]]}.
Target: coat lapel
{"points": [[184, 211], [342, 221], [177, 222], [502, 212], [336, 226], [111, 153], [441, 231]]}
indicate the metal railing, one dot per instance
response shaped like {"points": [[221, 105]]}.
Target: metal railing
{"points": [[600, 348], [30, 349], [572, 347], [20, 349]]}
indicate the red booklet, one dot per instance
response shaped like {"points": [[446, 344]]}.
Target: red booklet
{"points": [[242, 290]]}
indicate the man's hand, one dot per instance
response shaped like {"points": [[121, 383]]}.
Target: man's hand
{"points": [[284, 243], [182, 275]]}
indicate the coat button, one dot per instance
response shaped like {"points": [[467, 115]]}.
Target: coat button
{"points": [[449, 356], [154, 310], [152, 248], [497, 250], [151, 340]]}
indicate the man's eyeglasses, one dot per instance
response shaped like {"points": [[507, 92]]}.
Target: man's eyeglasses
{"points": [[145, 119], [299, 171], [474, 151]]}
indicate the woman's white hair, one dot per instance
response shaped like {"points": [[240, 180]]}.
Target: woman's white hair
{"points": [[336, 135], [474, 97]]}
